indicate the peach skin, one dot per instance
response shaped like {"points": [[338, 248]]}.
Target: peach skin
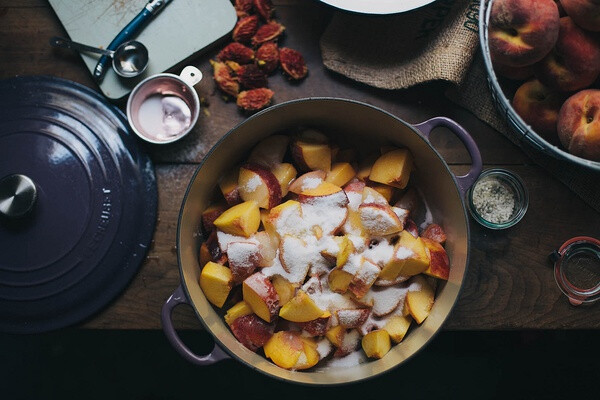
{"points": [[585, 13], [538, 105], [574, 62], [579, 124], [522, 32]]}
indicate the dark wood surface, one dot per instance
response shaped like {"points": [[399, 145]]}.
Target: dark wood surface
{"points": [[509, 284]]}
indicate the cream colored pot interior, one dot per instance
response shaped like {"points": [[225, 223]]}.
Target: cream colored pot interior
{"points": [[362, 127]]}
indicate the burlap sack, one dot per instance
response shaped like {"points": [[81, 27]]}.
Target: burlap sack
{"points": [[436, 42]]}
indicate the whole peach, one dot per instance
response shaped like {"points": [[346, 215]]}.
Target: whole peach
{"points": [[513, 73], [522, 32], [579, 124], [585, 13], [538, 106], [574, 62]]}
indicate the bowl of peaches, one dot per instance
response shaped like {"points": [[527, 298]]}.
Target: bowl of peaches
{"points": [[322, 241], [543, 63]]}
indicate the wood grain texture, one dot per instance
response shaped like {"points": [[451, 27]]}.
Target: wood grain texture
{"points": [[509, 284]]}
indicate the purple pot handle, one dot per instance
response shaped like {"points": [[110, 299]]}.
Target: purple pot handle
{"points": [[178, 297], [464, 181]]}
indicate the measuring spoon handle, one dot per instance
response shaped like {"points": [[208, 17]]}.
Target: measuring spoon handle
{"points": [[68, 44]]}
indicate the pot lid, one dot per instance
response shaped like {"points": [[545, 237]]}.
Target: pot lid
{"points": [[77, 203]]}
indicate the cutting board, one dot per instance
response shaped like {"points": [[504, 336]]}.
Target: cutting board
{"points": [[182, 29]]}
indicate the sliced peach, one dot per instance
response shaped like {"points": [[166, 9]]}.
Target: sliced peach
{"points": [[355, 185], [260, 185], [309, 357], [291, 256], [352, 318], [216, 282], [239, 309], [301, 308], [229, 187], [346, 247], [308, 180], [393, 168], [376, 343], [204, 255], [336, 335], [259, 293], [339, 280], [365, 167], [209, 215], [270, 151], [319, 326], [364, 278], [285, 174], [410, 258], [384, 301], [244, 258], [323, 189], [267, 247], [284, 219], [379, 219], [340, 174], [252, 331], [371, 195], [409, 200], [311, 153], [397, 326], [420, 302], [435, 233], [439, 264], [284, 288], [240, 220], [386, 191], [284, 348]]}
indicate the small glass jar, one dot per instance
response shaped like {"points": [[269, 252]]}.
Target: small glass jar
{"points": [[498, 199], [577, 269]]}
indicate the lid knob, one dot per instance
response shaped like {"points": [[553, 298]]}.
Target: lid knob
{"points": [[17, 196]]}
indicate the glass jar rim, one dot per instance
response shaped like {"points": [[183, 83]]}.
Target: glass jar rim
{"points": [[517, 186]]}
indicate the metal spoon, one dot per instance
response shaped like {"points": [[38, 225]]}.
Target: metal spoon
{"points": [[129, 59]]}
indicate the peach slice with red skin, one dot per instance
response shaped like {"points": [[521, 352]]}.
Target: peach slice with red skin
{"points": [[259, 293], [260, 185], [209, 215], [352, 318], [270, 151], [244, 258], [252, 331], [285, 174], [308, 180], [439, 264], [364, 278], [318, 326], [410, 257], [522, 32], [229, 187], [284, 348], [311, 151], [434, 232], [379, 219]]}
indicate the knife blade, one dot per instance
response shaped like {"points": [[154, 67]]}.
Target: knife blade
{"points": [[152, 8]]}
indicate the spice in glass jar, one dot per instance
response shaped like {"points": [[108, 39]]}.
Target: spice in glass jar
{"points": [[494, 200]]}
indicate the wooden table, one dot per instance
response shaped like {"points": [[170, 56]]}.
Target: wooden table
{"points": [[509, 284]]}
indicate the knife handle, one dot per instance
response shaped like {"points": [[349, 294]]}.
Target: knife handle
{"points": [[126, 33]]}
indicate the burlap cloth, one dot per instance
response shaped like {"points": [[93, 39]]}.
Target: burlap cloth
{"points": [[436, 42]]}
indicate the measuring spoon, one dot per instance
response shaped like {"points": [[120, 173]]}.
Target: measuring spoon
{"points": [[130, 59]]}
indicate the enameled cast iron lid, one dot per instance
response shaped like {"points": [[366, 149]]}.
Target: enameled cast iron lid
{"points": [[77, 203]]}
